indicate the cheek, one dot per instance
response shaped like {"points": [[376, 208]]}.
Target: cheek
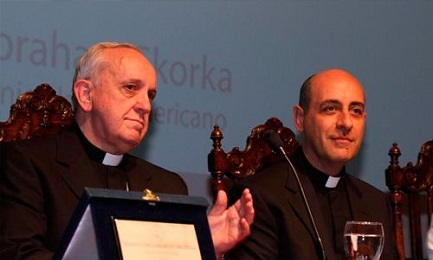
{"points": [[111, 115], [103, 104], [360, 128], [319, 126]]}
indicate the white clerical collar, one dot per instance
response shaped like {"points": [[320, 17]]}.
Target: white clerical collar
{"points": [[112, 159], [332, 182]]}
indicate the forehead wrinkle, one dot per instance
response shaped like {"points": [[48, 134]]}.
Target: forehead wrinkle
{"points": [[136, 78]]}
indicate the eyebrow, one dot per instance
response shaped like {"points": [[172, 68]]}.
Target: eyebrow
{"points": [[330, 101], [357, 103], [136, 81], [337, 102]]}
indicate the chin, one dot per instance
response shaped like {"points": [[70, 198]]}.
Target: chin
{"points": [[342, 157], [131, 142]]}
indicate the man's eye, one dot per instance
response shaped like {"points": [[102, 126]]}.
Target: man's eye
{"points": [[329, 109], [130, 87], [357, 111], [151, 95]]}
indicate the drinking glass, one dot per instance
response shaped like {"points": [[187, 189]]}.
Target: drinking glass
{"points": [[363, 240]]}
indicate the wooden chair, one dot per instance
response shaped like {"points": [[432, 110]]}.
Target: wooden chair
{"points": [[411, 185], [36, 113], [236, 165]]}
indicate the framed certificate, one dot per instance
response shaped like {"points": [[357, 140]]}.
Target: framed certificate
{"points": [[157, 240], [125, 225]]}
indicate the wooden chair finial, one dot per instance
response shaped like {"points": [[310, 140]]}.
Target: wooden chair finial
{"points": [[225, 168]]}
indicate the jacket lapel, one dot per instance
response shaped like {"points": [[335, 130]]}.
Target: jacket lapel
{"points": [[299, 207], [76, 167], [360, 206], [138, 177]]}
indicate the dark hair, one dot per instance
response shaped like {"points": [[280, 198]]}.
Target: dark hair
{"points": [[305, 93]]}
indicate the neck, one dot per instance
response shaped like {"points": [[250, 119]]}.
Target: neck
{"points": [[327, 167]]}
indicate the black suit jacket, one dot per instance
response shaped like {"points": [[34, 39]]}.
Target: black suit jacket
{"points": [[41, 182], [282, 228]]}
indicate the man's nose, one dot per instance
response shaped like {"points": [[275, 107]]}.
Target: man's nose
{"points": [[344, 122], [143, 104]]}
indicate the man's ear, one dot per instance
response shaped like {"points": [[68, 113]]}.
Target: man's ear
{"points": [[83, 93], [298, 118]]}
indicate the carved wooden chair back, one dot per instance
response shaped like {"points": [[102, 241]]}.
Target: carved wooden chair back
{"points": [[36, 113], [411, 188], [225, 168]]}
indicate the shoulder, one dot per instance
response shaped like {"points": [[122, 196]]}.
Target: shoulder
{"points": [[41, 148], [275, 175], [42, 142], [36, 145], [150, 167], [364, 188], [269, 182], [157, 178]]}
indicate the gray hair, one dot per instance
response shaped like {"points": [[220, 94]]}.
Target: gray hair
{"points": [[92, 62]]}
